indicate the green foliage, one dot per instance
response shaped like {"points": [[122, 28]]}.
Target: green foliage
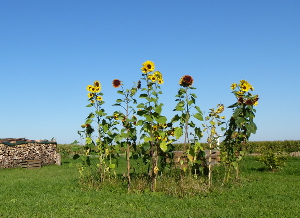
{"points": [[272, 156]]}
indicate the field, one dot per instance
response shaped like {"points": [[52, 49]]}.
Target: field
{"points": [[53, 191]]}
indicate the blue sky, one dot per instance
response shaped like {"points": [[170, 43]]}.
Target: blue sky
{"points": [[51, 50]]}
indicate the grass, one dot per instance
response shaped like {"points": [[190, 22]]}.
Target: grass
{"points": [[53, 191]]}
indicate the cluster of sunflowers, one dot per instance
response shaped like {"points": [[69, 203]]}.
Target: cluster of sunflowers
{"points": [[94, 92], [242, 93], [148, 67]]}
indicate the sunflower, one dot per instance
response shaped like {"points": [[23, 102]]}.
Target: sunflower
{"points": [[244, 85], [99, 98], [158, 75], [97, 89], [97, 83], [155, 128], [233, 86], [89, 87], [92, 101], [186, 81], [148, 66], [153, 78], [160, 81], [116, 83], [116, 116], [90, 95]]}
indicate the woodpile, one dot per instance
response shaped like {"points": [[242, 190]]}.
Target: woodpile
{"points": [[14, 152]]}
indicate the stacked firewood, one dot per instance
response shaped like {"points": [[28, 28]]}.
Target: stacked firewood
{"points": [[12, 154]]}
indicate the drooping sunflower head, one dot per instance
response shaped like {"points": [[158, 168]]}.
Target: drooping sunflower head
{"points": [[148, 66], [158, 75], [186, 81], [99, 98], [233, 86], [97, 83], [116, 83]]}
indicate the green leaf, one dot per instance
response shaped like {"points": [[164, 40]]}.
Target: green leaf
{"points": [[119, 100], [178, 132], [112, 166], [198, 116], [198, 109], [143, 95], [120, 92], [88, 121], [175, 118], [89, 105], [163, 146], [88, 140], [161, 119], [147, 139], [148, 118], [141, 105]]}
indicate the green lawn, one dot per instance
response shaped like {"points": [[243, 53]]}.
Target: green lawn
{"points": [[53, 191]]}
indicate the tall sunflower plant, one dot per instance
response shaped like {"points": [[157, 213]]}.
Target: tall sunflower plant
{"points": [[155, 130], [187, 109], [127, 136], [101, 144], [239, 128]]}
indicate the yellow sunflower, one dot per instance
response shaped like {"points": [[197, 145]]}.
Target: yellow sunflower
{"points": [[97, 89], [90, 95], [148, 66], [244, 85], [158, 75], [233, 86], [99, 98], [153, 78], [160, 81], [89, 87]]}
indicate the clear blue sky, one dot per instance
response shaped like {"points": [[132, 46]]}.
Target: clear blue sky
{"points": [[51, 50]]}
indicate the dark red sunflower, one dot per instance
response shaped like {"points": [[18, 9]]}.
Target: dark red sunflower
{"points": [[186, 81], [116, 83]]}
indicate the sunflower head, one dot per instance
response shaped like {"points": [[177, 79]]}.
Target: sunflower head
{"points": [[89, 88], [99, 98], [244, 86], [233, 86], [97, 83], [116, 83], [148, 66], [186, 81], [90, 95], [158, 75], [160, 81]]}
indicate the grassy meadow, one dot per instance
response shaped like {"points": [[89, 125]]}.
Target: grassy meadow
{"points": [[54, 191]]}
